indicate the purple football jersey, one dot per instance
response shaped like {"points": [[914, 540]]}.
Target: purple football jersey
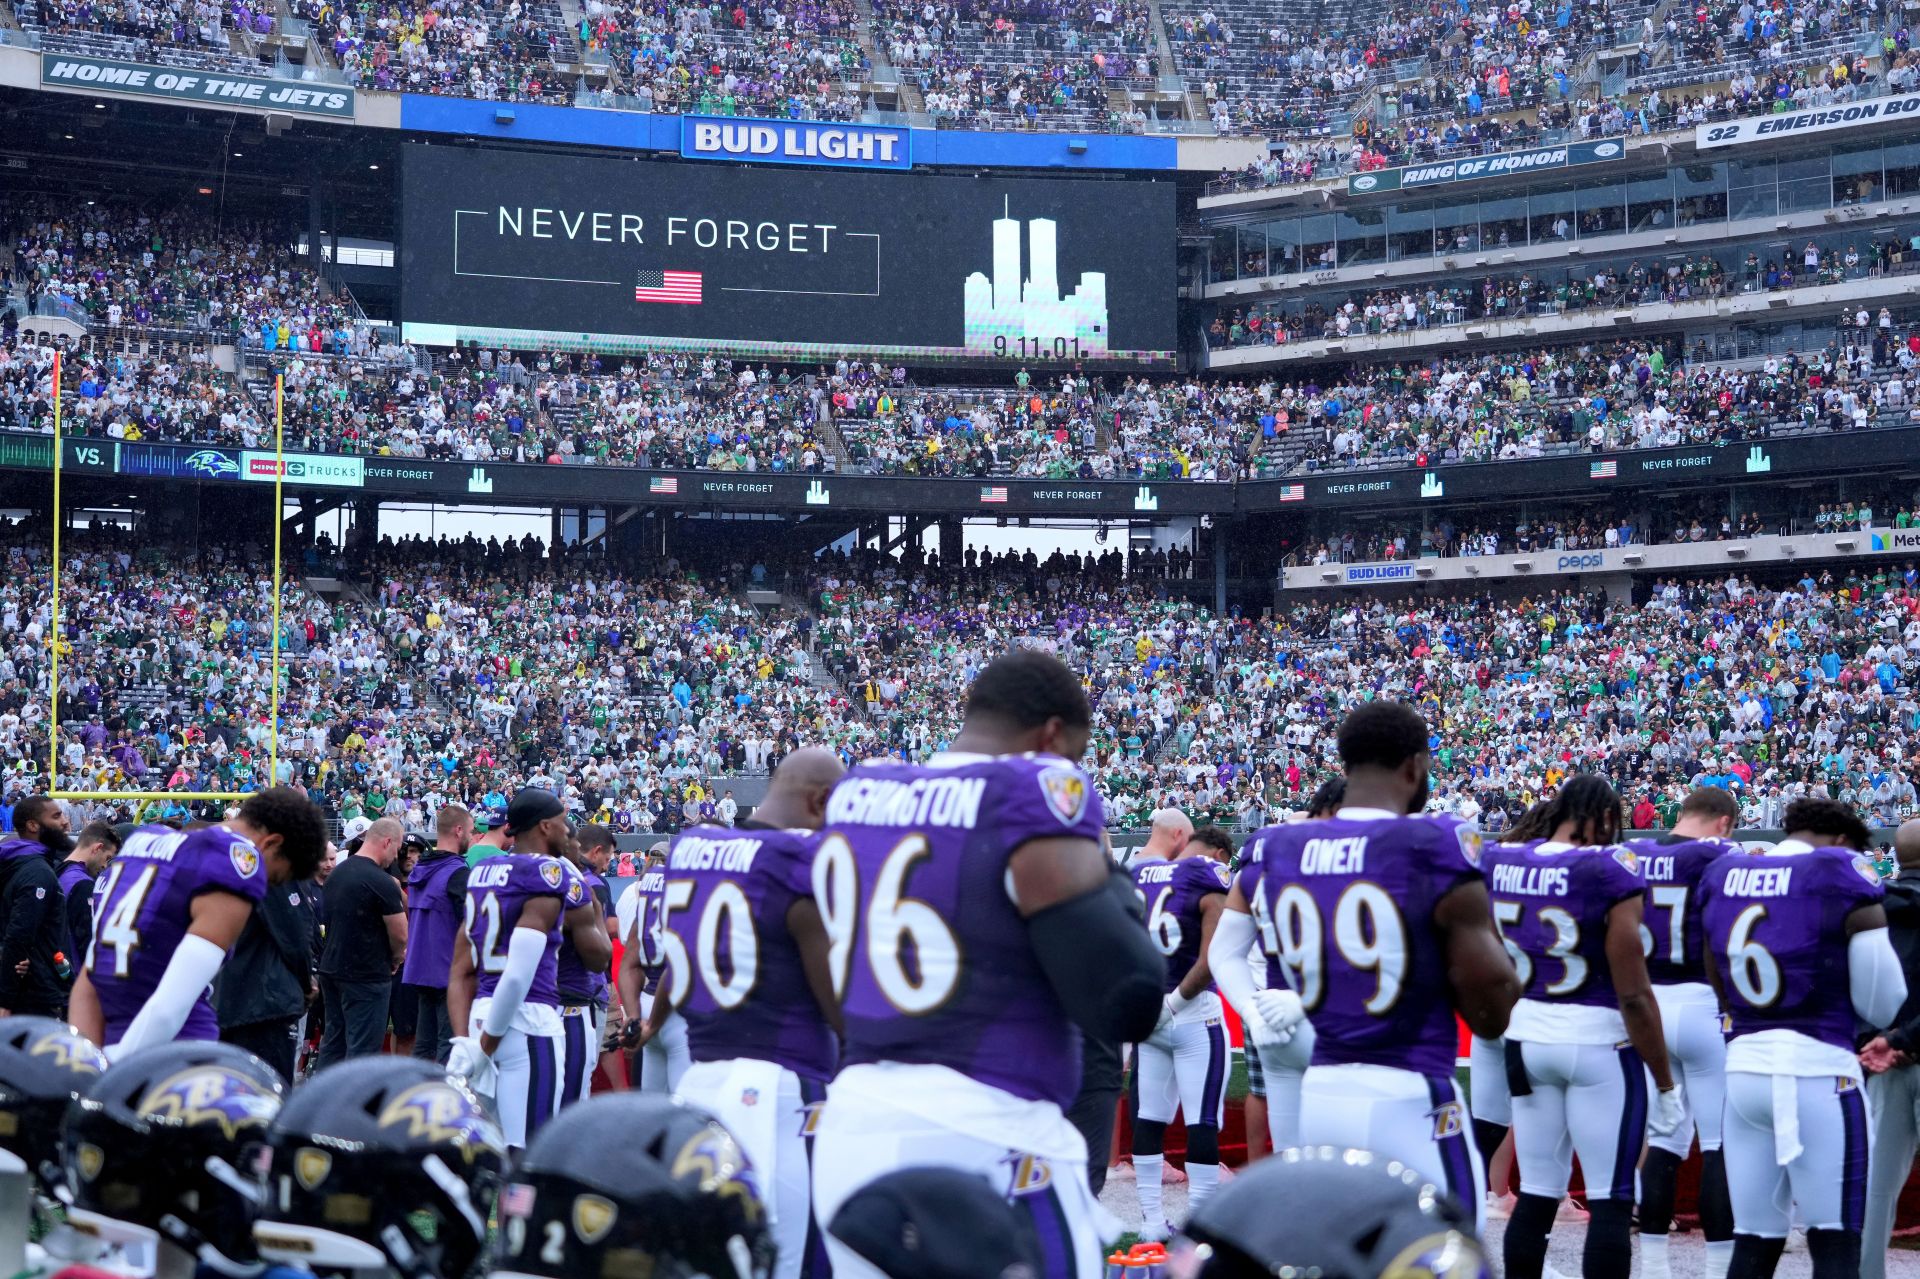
{"points": [[1673, 866], [577, 983], [498, 889], [146, 907], [1776, 928], [646, 918], [749, 995], [1171, 893], [1346, 907], [939, 970], [432, 920], [1551, 909]]}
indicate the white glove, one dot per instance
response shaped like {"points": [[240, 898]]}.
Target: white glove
{"points": [[1170, 1007], [466, 1060], [1669, 1108], [1281, 1011]]}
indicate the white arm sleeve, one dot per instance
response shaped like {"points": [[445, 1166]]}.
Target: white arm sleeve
{"points": [[195, 963], [525, 949], [1227, 959], [1874, 977]]}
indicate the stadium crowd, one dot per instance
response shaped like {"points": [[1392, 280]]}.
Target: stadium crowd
{"points": [[461, 671]]}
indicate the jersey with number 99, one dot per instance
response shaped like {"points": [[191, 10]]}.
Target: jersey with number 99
{"points": [[146, 906], [724, 921], [930, 956], [1171, 893], [498, 889], [1345, 909], [1776, 927]]}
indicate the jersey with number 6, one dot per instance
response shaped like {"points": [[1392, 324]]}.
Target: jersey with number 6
{"points": [[146, 906], [724, 918], [1345, 907], [498, 889], [930, 955], [1550, 903], [1172, 892], [1674, 866], [1776, 928]]}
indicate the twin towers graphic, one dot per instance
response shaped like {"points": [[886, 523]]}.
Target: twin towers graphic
{"points": [[1007, 315]]}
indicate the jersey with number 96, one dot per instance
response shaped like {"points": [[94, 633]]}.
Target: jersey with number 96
{"points": [[1345, 909], [1776, 928], [146, 906], [498, 890], [724, 921], [1171, 893], [930, 956]]}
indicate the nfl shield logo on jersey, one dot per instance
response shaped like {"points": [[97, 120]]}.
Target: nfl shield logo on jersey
{"points": [[1066, 792]]}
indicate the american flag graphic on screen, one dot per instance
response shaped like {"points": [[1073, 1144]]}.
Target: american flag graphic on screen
{"points": [[1603, 470], [668, 286], [993, 493]]}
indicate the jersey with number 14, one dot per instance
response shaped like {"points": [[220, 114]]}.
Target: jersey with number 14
{"points": [[930, 954], [146, 906], [1172, 892], [498, 890], [1345, 908]]}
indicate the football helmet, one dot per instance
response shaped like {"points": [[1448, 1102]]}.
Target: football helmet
{"points": [[44, 1065], [625, 1179], [166, 1145], [1349, 1215], [381, 1163]]}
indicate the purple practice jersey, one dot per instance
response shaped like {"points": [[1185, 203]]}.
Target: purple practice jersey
{"points": [[1171, 893], [729, 893], [498, 889], [433, 919], [939, 970], [1345, 905], [1673, 866], [1551, 908], [146, 908], [1776, 927], [577, 984]]}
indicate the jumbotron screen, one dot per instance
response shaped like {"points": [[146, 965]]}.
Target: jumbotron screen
{"points": [[522, 249]]}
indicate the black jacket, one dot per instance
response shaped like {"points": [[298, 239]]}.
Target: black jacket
{"points": [[266, 977], [1903, 929], [34, 930]]}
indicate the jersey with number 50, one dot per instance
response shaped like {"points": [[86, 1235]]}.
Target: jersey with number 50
{"points": [[930, 955], [146, 906], [1171, 893], [723, 922], [498, 890], [1674, 866], [1345, 910]]}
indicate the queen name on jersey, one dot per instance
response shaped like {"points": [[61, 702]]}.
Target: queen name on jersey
{"points": [[146, 908], [1344, 906]]}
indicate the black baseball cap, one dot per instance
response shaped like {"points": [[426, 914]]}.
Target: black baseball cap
{"points": [[530, 807], [939, 1223]]}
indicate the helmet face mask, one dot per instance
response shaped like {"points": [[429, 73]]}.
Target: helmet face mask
{"points": [[382, 1163], [166, 1146]]}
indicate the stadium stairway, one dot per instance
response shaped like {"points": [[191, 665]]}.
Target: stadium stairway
{"points": [[912, 100]]}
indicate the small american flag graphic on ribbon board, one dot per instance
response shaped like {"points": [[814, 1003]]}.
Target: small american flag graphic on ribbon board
{"points": [[682, 287]]}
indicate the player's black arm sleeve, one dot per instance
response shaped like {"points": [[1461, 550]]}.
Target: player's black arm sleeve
{"points": [[1097, 956]]}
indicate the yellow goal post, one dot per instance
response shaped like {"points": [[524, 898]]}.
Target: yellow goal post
{"points": [[53, 637]]}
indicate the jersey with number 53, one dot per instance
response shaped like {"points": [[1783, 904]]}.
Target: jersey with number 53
{"points": [[737, 974], [930, 955], [1674, 866], [1550, 902], [1172, 892], [1345, 908], [146, 906], [498, 889], [1776, 928]]}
